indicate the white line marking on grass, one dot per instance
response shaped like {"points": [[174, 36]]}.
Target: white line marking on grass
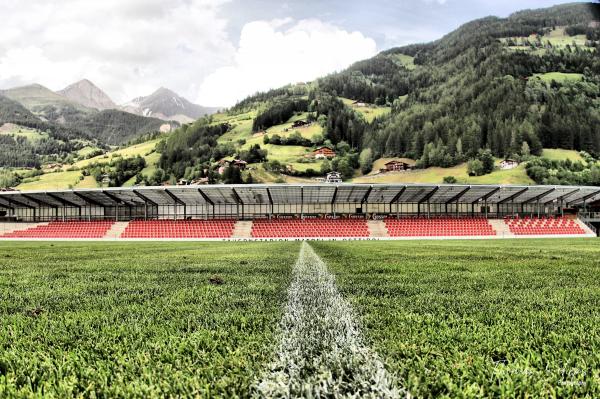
{"points": [[321, 352]]}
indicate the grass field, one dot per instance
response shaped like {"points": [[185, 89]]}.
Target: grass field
{"points": [[511, 318], [96, 320], [478, 319]]}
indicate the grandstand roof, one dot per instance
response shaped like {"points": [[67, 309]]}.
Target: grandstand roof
{"points": [[300, 193]]}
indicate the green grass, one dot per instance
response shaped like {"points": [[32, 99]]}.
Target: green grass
{"points": [[151, 166], [557, 38], [515, 318], [85, 151], [369, 112], [498, 318], [559, 77], [405, 60], [31, 135], [131, 151], [241, 126], [64, 179], [87, 182], [118, 320], [51, 181], [561, 155], [437, 174]]}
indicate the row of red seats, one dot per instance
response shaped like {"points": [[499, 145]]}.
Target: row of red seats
{"points": [[179, 229], [544, 226], [310, 228], [71, 229], [438, 227]]}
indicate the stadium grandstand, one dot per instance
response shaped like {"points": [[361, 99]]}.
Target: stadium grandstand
{"points": [[319, 211]]}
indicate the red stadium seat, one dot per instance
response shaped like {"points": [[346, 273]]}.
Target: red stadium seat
{"points": [[70, 229], [438, 227], [543, 226], [310, 228], [179, 229]]}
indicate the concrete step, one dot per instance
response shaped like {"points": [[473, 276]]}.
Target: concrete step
{"points": [[501, 228], [585, 227], [242, 229], [116, 230], [377, 229]]}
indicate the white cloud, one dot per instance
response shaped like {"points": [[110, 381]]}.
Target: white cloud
{"points": [[128, 48], [275, 53]]}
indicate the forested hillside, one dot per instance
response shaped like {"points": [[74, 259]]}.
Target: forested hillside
{"points": [[512, 86], [25, 138]]}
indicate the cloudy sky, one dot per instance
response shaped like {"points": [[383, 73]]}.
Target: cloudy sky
{"points": [[213, 52]]}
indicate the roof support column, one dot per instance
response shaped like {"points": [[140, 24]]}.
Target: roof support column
{"points": [[239, 203], [365, 201], [271, 205], [485, 207], [333, 200], [301, 202]]}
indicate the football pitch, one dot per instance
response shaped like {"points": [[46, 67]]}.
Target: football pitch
{"points": [[498, 318]]}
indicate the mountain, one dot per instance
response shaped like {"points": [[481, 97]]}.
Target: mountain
{"points": [[87, 94], [167, 105], [38, 98], [76, 113]]}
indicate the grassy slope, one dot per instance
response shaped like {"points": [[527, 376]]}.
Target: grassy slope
{"points": [[138, 321], [288, 155], [487, 318], [557, 38], [32, 135], [151, 166], [62, 180], [369, 112], [559, 77], [52, 181], [131, 151], [405, 60], [436, 175], [561, 155]]}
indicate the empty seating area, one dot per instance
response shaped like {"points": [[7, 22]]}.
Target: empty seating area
{"points": [[179, 229], [543, 226], [310, 228], [438, 227], [70, 229]]}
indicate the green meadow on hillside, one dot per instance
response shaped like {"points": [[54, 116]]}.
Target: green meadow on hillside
{"points": [[559, 77]]}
